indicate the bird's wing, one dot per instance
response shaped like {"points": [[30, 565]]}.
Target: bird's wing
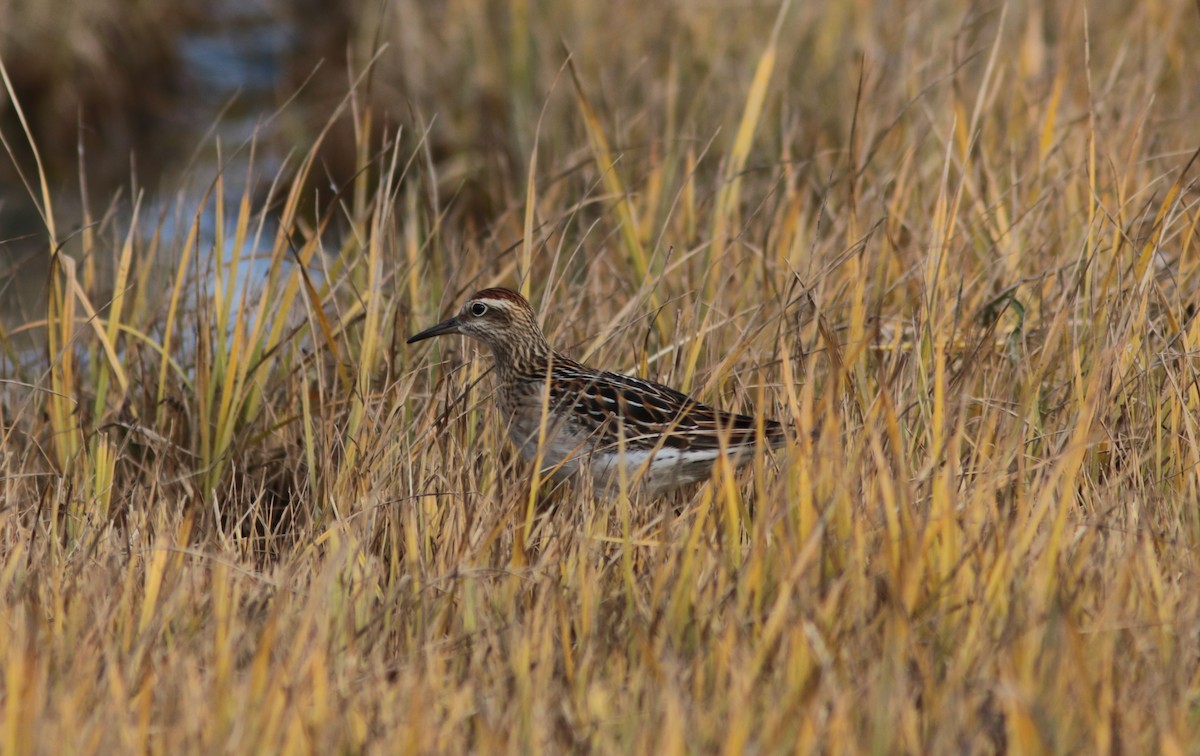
{"points": [[647, 413]]}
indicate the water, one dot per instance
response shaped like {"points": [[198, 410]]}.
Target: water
{"points": [[233, 71]]}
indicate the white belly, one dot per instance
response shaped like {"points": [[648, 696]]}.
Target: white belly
{"points": [[565, 453]]}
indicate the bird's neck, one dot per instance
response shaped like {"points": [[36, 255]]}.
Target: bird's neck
{"points": [[528, 357]]}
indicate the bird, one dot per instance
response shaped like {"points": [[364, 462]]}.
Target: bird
{"points": [[605, 424]]}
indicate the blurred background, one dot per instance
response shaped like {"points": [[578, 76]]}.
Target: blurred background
{"points": [[154, 96]]}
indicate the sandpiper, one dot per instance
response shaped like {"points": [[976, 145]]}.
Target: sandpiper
{"points": [[593, 420]]}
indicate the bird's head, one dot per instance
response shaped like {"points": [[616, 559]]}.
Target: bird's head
{"points": [[501, 319]]}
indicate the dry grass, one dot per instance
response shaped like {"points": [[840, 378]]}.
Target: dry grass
{"points": [[239, 515]]}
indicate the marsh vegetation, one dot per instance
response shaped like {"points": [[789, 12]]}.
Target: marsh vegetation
{"points": [[951, 245]]}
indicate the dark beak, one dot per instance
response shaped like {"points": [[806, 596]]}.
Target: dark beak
{"points": [[446, 326]]}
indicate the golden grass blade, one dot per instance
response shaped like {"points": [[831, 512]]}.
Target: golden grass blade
{"points": [[1046, 143], [1151, 246], [317, 312], [46, 207], [97, 324], [729, 197], [116, 314], [525, 269], [626, 214], [60, 320]]}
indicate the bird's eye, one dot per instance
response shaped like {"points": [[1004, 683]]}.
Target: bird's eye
{"points": [[479, 309]]}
